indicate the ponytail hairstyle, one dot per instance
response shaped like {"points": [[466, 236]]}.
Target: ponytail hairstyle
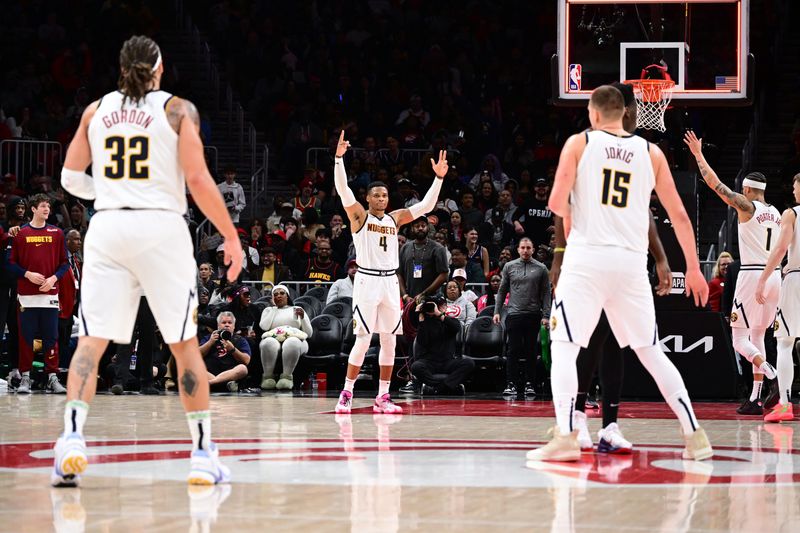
{"points": [[139, 59]]}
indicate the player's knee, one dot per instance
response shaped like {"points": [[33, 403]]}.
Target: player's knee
{"points": [[359, 350], [388, 345], [742, 344]]}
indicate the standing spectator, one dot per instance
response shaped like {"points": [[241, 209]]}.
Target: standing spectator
{"points": [[69, 296], [476, 253], [456, 229], [290, 348], [505, 255], [423, 264], [435, 349], [717, 284], [458, 261], [343, 288], [17, 212], [470, 215], [458, 306], [233, 194], [505, 203], [533, 218], [322, 267], [526, 282], [226, 355], [39, 259]]}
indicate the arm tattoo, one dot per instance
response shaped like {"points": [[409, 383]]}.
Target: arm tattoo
{"points": [[180, 108], [189, 382], [192, 112], [703, 170], [737, 201], [84, 368]]}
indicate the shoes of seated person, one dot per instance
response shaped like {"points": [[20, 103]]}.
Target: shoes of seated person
{"points": [[232, 386], [510, 390], [460, 390], [24, 385], [428, 390], [529, 390], [751, 408], [55, 386], [149, 389], [206, 468], [117, 389], [268, 383], [14, 379], [285, 383], [408, 388]]}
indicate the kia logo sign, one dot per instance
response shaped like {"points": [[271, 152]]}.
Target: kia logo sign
{"points": [[677, 344]]}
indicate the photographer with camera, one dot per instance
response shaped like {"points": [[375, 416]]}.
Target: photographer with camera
{"points": [[226, 355], [435, 350]]}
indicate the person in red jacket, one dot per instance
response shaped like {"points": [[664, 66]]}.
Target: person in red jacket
{"points": [[717, 283], [39, 260]]}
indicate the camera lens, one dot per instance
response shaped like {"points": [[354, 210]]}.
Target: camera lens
{"points": [[225, 335]]}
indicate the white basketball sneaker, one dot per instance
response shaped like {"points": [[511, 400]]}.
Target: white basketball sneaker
{"points": [[207, 469], [584, 437], [612, 441], [70, 460]]}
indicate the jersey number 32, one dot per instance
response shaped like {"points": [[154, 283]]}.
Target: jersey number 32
{"points": [[128, 157]]}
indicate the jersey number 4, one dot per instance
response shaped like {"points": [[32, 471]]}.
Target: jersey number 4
{"points": [[382, 243], [615, 187], [132, 154]]}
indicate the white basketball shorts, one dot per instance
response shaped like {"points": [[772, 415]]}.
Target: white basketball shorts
{"points": [[787, 320], [132, 253], [597, 278], [376, 305], [746, 311]]}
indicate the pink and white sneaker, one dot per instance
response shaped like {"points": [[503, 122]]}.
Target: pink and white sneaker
{"points": [[345, 402], [384, 404]]}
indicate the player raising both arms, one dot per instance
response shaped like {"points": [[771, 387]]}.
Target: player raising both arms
{"points": [[602, 190], [759, 230], [144, 147], [376, 291], [787, 321]]}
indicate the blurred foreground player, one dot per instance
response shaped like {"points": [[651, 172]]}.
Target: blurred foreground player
{"points": [[759, 230], [144, 148], [602, 190], [376, 290], [787, 321]]}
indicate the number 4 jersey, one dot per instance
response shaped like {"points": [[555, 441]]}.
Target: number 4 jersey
{"points": [[376, 243], [135, 155], [758, 235], [611, 196]]}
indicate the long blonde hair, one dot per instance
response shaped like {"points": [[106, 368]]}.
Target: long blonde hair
{"points": [[722, 256]]}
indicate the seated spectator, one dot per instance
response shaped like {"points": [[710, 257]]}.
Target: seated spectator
{"points": [[273, 343], [487, 300], [271, 271], [305, 197], [257, 232], [205, 277], [458, 306], [435, 350], [340, 238], [246, 314], [487, 197], [283, 209], [233, 194], [491, 167], [496, 234], [717, 284], [505, 255], [441, 237], [226, 355], [251, 259], [505, 203], [455, 230], [458, 261], [342, 288], [309, 225], [322, 267], [470, 215]]}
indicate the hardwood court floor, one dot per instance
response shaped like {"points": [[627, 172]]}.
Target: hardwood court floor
{"points": [[297, 467]]}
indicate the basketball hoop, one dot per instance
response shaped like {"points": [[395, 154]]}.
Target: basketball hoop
{"points": [[652, 99]]}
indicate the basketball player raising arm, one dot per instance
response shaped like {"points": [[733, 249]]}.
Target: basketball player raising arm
{"points": [[376, 288], [759, 229], [696, 285]]}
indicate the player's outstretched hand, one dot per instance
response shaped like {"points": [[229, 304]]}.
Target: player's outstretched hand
{"points": [[342, 145], [233, 257], [440, 168], [664, 278], [695, 145], [760, 288], [696, 286]]}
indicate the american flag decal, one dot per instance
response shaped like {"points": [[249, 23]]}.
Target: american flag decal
{"points": [[730, 83]]}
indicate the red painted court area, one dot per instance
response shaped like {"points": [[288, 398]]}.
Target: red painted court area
{"points": [[544, 409]]}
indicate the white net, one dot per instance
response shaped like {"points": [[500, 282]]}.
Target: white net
{"points": [[652, 99]]}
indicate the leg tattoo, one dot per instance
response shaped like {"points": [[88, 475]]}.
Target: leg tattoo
{"points": [[189, 382], [84, 368]]}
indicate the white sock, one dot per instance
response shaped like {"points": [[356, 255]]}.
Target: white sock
{"points": [[564, 382], [75, 413], [349, 384], [383, 387], [200, 426], [785, 368], [755, 394], [670, 384]]}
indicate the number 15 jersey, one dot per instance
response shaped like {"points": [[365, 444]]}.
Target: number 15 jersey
{"points": [[611, 197], [135, 155]]}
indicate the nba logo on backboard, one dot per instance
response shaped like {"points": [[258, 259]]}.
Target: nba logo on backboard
{"points": [[574, 77]]}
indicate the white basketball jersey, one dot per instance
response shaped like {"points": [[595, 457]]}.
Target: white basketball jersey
{"points": [[758, 235], [135, 155], [793, 262], [376, 243], [611, 197]]}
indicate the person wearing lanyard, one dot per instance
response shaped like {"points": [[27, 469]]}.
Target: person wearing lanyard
{"points": [[423, 264]]}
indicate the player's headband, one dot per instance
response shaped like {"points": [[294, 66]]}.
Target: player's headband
{"points": [[158, 61], [753, 184]]}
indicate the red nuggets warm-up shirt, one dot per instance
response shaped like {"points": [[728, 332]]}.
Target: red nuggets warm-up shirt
{"points": [[39, 250]]}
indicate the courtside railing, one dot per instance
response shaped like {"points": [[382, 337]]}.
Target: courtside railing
{"points": [[409, 155], [23, 157]]}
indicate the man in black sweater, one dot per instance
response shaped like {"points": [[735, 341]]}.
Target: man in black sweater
{"points": [[435, 350]]}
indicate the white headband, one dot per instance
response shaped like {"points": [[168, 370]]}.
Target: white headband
{"points": [[158, 61], [753, 184]]}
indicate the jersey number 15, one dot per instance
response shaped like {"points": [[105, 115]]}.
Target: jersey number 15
{"points": [[615, 187], [128, 158]]}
